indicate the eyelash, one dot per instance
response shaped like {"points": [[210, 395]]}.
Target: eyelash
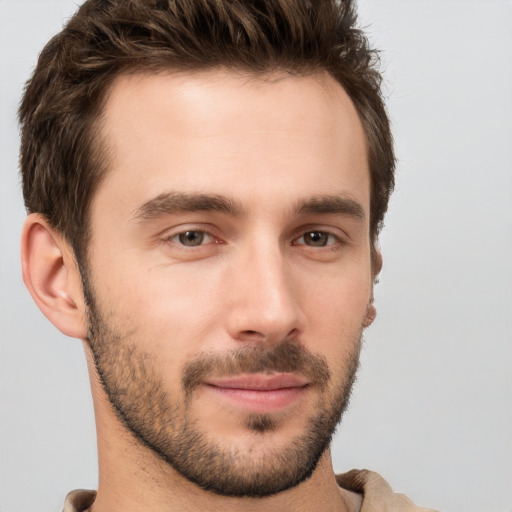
{"points": [[204, 232], [336, 241]]}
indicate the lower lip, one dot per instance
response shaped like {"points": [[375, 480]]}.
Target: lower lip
{"points": [[260, 401]]}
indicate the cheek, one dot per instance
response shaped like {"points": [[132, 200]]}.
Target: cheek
{"points": [[339, 297], [335, 314], [171, 308]]}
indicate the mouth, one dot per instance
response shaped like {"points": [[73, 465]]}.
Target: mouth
{"points": [[259, 393]]}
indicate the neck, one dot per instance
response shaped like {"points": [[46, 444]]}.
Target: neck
{"points": [[129, 481]]}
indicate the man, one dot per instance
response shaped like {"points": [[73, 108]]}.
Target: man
{"points": [[205, 184]]}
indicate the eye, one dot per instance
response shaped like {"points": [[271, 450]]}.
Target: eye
{"points": [[317, 239], [192, 238]]}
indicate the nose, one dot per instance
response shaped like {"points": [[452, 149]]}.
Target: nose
{"points": [[264, 302]]}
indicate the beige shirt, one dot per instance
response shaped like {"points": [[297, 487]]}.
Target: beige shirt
{"points": [[377, 494]]}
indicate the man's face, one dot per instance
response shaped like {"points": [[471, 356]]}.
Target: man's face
{"points": [[229, 271]]}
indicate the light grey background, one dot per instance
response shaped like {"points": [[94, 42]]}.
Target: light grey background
{"points": [[432, 409]]}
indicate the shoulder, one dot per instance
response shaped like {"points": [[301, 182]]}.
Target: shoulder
{"points": [[377, 493], [79, 500]]}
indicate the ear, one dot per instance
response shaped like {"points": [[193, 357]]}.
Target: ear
{"points": [[376, 261], [51, 274], [371, 311]]}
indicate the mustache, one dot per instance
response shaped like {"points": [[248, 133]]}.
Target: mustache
{"points": [[286, 357]]}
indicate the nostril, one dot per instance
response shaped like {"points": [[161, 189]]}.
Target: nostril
{"points": [[251, 335], [292, 334]]}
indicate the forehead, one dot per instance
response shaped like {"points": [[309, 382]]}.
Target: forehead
{"points": [[256, 137]]}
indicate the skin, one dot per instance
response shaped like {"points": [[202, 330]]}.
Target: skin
{"points": [[268, 145]]}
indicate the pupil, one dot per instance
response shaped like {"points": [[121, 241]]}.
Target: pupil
{"points": [[317, 238], [191, 238]]}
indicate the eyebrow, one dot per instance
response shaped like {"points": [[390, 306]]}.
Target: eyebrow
{"points": [[332, 204], [178, 202]]}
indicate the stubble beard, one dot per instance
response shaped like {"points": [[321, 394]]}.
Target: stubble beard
{"points": [[163, 423]]}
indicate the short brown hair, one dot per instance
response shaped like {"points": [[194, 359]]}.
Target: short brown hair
{"points": [[61, 158]]}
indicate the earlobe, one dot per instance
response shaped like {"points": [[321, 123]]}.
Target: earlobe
{"points": [[371, 314], [371, 311], [52, 277]]}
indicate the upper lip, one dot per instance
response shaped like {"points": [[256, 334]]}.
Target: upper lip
{"points": [[259, 381]]}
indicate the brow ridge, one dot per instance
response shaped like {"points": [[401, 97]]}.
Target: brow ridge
{"points": [[179, 202], [332, 204]]}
